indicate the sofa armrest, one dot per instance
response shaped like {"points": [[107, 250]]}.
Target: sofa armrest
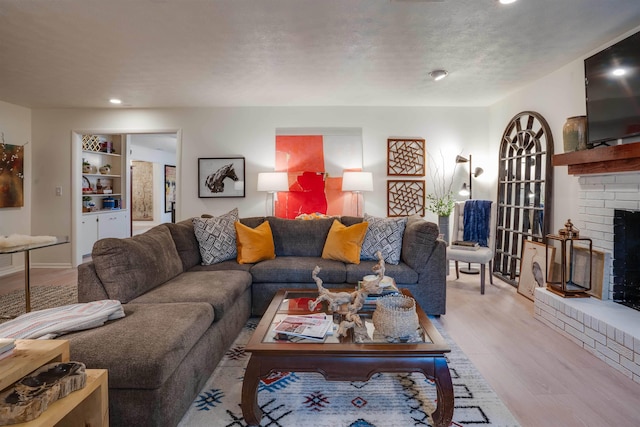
{"points": [[426, 254], [418, 242], [431, 291], [89, 285]]}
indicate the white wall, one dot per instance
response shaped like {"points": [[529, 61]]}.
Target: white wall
{"points": [[15, 123], [556, 97], [250, 132]]}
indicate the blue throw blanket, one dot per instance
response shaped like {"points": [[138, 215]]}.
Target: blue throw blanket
{"points": [[477, 214]]}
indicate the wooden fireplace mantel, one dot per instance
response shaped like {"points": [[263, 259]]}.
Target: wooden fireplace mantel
{"points": [[618, 158]]}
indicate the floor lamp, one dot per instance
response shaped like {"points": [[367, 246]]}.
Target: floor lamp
{"points": [[357, 182], [272, 182], [468, 191]]}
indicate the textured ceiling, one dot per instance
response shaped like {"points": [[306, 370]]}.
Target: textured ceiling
{"points": [[192, 53]]}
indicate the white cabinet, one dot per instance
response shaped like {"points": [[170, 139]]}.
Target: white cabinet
{"points": [[113, 224], [88, 233], [95, 226]]}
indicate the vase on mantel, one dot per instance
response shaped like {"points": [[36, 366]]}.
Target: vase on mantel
{"points": [[574, 134], [443, 225]]}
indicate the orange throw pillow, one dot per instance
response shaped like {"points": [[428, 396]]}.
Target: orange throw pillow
{"points": [[254, 244], [344, 243]]}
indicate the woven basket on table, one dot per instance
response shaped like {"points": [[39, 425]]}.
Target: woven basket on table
{"points": [[395, 316]]}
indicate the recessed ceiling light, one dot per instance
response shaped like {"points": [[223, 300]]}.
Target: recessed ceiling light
{"points": [[619, 72], [438, 74], [115, 101], [507, 1]]}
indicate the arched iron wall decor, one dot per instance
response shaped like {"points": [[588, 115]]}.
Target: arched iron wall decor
{"points": [[525, 182]]}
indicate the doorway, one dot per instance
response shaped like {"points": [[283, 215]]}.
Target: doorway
{"points": [[159, 147], [152, 161]]}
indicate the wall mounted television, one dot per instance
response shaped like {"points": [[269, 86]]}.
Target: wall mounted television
{"points": [[612, 85]]}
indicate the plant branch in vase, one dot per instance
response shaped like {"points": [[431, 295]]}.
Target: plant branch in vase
{"points": [[441, 200]]}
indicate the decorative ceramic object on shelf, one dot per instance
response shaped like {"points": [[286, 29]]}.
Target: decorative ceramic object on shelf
{"points": [[105, 170], [86, 167], [574, 134]]}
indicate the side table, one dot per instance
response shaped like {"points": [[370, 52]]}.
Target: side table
{"points": [[88, 406], [27, 263]]}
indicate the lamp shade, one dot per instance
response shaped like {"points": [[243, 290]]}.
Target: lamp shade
{"points": [[273, 181], [357, 181], [460, 159]]}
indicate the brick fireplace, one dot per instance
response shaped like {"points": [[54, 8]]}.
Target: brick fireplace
{"points": [[609, 330], [600, 197]]}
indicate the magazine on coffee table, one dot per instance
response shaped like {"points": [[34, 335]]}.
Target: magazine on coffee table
{"points": [[314, 327]]}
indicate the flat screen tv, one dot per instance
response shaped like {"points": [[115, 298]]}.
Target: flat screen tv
{"points": [[612, 83]]}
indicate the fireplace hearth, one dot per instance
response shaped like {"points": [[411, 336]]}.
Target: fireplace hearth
{"points": [[626, 254]]}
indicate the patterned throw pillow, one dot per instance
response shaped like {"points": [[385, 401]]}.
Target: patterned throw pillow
{"points": [[216, 237], [384, 235]]}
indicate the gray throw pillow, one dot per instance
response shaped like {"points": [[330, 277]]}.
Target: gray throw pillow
{"points": [[216, 237], [384, 235]]}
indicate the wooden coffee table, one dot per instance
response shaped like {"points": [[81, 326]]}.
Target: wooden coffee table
{"points": [[349, 358]]}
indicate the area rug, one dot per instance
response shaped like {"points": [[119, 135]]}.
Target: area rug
{"points": [[290, 399], [13, 304]]}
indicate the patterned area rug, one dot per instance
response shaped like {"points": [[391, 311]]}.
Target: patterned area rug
{"points": [[290, 399], [12, 304]]}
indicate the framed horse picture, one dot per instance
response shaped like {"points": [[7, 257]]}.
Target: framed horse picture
{"points": [[221, 177]]}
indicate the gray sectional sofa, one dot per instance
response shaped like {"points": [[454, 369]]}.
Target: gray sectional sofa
{"points": [[182, 316]]}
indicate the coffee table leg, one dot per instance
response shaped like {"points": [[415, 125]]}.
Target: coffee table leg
{"points": [[250, 410], [443, 414]]}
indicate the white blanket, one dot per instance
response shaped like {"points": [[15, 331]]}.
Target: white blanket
{"points": [[52, 322], [23, 239]]}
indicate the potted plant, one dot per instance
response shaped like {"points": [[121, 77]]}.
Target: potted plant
{"points": [[442, 200], [105, 169], [86, 203], [86, 167]]}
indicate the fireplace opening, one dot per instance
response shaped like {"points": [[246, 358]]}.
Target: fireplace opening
{"points": [[626, 254]]}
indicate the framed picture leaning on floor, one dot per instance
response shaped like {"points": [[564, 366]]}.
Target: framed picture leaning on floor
{"points": [[533, 266]]}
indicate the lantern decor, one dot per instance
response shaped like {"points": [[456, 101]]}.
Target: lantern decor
{"points": [[573, 279]]}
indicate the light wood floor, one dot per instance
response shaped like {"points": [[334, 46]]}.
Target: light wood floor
{"points": [[543, 378]]}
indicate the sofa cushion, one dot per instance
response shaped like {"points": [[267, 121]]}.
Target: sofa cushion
{"points": [[186, 243], [231, 264], [402, 273], [344, 243], [384, 235], [297, 270], [220, 289], [254, 244], [216, 237], [132, 266], [296, 237], [350, 220], [145, 347], [253, 221]]}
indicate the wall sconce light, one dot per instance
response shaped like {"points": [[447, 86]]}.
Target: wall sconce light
{"points": [[357, 182], [272, 182], [468, 190]]}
